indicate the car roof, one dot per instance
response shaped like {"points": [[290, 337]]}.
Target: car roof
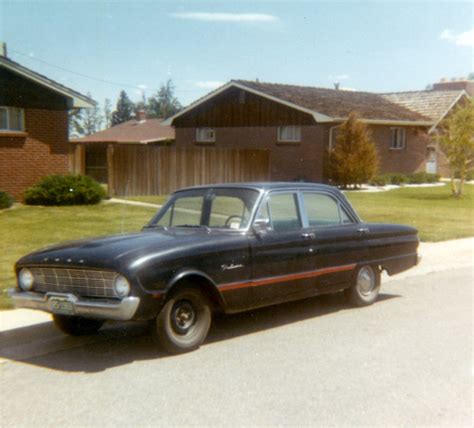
{"points": [[264, 186]]}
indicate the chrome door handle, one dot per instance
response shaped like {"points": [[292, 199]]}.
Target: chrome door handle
{"points": [[308, 235], [363, 230]]}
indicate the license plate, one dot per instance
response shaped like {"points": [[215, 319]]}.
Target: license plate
{"points": [[61, 306]]}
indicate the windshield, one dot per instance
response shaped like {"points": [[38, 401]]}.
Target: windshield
{"points": [[222, 208]]}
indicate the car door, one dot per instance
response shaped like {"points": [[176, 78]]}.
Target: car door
{"points": [[338, 242], [279, 253]]}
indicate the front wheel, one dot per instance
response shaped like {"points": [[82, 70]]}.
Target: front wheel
{"points": [[366, 287], [184, 321], [77, 326]]}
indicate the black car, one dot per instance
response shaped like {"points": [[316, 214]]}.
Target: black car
{"points": [[218, 248]]}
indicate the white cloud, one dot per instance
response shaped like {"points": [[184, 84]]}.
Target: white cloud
{"points": [[461, 39], [209, 84], [142, 86], [225, 17]]}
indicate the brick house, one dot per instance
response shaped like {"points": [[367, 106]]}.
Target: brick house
{"points": [[297, 124], [34, 139]]}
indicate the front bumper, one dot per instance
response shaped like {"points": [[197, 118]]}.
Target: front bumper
{"points": [[122, 310]]}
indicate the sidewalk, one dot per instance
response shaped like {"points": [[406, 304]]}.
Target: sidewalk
{"points": [[436, 257]]}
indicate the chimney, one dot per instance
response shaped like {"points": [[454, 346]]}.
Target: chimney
{"points": [[140, 116], [336, 85], [457, 85], [3, 49]]}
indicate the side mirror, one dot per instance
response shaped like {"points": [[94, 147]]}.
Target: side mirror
{"points": [[261, 225]]}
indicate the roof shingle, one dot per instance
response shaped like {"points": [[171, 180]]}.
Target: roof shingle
{"points": [[147, 131], [338, 103]]}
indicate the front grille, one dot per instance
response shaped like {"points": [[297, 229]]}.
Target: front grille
{"points": [[82, 282]]}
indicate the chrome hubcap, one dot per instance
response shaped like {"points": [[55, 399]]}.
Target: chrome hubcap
{"points": [[183, 316], [365, 281]]}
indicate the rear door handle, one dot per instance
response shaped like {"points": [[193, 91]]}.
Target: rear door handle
{"points": [[308, 235]]}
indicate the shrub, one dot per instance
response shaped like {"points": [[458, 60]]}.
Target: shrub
{"points": [[379, 180], [65, 190], [422, 177], [397, 178], [6, 201]]}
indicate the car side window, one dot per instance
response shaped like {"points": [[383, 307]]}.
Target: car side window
{"points": [[229, 212], [322, 210], [186, 210], [282, 209]]}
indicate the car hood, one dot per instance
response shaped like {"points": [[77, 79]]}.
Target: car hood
{"points": [[114, 252]]}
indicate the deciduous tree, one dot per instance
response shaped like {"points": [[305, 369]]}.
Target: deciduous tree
{"points": [[456, 137], [164, 103]]}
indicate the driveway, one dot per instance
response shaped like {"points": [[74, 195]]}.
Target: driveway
{"points": [[406, 360]]}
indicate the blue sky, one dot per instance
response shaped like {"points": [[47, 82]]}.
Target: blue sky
{"points": [[373, 46]]}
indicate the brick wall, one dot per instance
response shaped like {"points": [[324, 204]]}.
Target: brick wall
{"points": [[410, 159], [288, 161], [42, 150]]}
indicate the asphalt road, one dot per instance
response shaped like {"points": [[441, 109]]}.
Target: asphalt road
{"points": [[406, 360]]}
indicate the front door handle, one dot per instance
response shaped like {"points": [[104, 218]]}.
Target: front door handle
{"points": [[308, 235], [363, 230]]}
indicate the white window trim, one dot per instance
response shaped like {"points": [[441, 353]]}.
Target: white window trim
{"points": [[403, 138], [286, 140], [205, 140], [22, 118]]}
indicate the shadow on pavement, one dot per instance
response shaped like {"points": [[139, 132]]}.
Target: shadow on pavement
{"points": [[120, 344]]}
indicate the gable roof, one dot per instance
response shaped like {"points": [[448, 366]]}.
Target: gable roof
{"points": [[77, 99], [325, 105], [429, 103], [132, 131]]}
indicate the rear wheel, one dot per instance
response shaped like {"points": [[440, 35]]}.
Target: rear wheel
{"points": [[366, 287], [77, 326], [183, 323]]}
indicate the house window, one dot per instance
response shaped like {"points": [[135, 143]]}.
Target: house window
{"points": [[397, 141], [205, 135], [289, 134], [11, 119]]}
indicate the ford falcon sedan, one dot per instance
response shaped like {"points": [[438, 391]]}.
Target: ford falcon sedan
{"points": [[219, 248]]}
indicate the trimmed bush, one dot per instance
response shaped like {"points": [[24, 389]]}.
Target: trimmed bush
{"points": [[422, 177], [6, 201], [397, 178], [65, 190], [379, 180]]}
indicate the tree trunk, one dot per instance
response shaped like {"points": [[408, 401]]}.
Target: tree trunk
{"points": [[454, 190]]}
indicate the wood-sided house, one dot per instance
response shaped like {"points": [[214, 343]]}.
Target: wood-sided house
{"points": [[297, 124], [34, 135]]}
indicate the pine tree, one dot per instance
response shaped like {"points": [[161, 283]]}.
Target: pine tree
{"points": [[164, 104], [456, 139], [76, 129], [354, 159], [124, 110]]}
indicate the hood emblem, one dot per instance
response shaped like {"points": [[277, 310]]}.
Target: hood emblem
{"points": [[231, 266]]}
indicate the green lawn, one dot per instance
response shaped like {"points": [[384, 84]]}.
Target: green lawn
{"points": [[29, 228], [431, 210]]}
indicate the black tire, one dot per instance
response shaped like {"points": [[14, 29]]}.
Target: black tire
{"points": [[365, 288], [77, 326], [183, 322]]}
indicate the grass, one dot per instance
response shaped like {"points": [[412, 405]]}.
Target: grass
{"points": [[432, 210], [28, 228]]}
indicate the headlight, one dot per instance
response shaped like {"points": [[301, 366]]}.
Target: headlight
{"points": [[121, 286], [25, 279]]}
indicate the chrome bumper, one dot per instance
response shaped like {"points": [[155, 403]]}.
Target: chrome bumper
{"points": [[122, 310]]}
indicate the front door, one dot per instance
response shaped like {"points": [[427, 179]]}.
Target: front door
{"points": [[279, 253], [431, 160]]}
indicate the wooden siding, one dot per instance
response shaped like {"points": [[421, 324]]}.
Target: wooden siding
{"points": [[236, 107], [18, 91], [152, 170]]}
